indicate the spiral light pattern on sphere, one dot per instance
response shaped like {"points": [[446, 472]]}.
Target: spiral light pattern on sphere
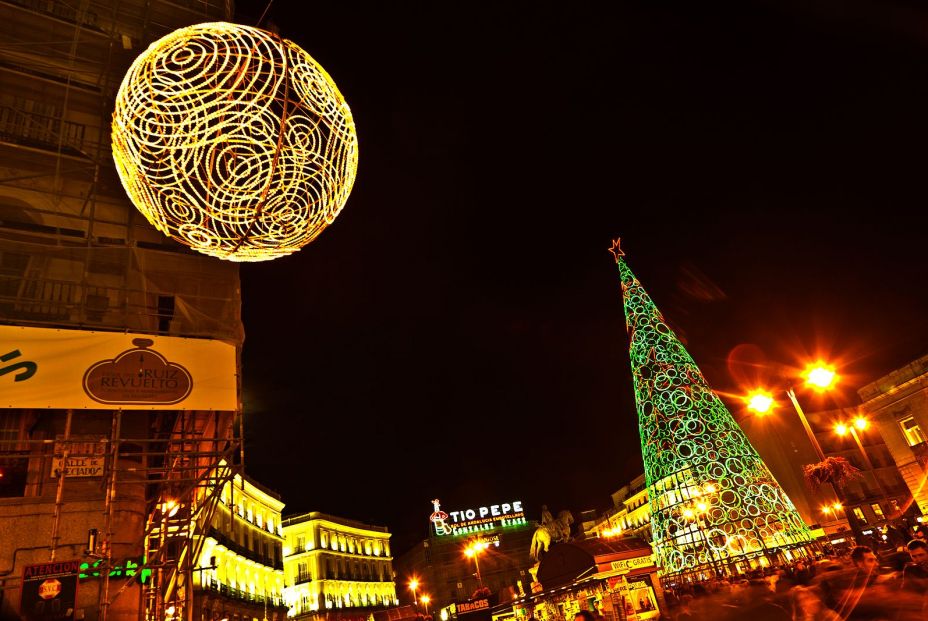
{"points": [[234, 141]]}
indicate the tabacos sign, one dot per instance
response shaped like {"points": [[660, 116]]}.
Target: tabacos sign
{"points": [[463, 521], [476, 605]]}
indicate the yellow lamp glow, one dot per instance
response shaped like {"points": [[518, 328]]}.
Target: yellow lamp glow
{"points": [[688, 513], [760, 401], [233, 141], [841, 429], [710, 488], [820, 376], [837, 506], [861, 423], [413, 584]]}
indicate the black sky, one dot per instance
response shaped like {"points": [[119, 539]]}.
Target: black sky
{"points": [[458, 332]]}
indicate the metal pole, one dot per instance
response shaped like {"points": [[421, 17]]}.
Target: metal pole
{"points": [[805, 423], [867, 461], [108, 514], [59, 493]]}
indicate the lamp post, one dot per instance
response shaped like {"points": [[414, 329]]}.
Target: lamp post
{"points": [[413, 585], [819, 377], [832, 509], [425, 599], [473, 551], [861, 423], [805, 423]]}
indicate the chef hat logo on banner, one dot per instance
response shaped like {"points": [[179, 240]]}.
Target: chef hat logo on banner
{"points": [[138, 375]]}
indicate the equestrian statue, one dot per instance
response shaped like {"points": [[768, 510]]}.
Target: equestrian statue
{"points": [[550, 530]]}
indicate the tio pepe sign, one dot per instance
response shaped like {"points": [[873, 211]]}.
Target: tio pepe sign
{"points": [[472, 520]]}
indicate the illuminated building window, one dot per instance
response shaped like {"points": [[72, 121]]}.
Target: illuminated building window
{"points": [[859, 515], [878, 510], [913, 433]]}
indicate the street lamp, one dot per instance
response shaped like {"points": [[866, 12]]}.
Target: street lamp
{"points": [[819, 377], [425, 599], [832, 509], [413, 585], [860, 423], [473, 551]]}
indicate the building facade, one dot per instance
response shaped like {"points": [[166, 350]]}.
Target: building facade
{"points": [[879, 495], [78, 261], [241, 562], [630, 514], [336, 567], [897, 404]]}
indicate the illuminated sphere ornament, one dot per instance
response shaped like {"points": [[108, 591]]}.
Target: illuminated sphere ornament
{"points": [[234, 142]]}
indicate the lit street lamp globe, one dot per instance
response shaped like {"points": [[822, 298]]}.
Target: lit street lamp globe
{"points": [[234, 141]]}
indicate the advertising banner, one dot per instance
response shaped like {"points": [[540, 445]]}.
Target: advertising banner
{"points": [[49, 591], [80, 369]]}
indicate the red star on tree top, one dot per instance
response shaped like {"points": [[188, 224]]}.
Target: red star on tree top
{"points": [[616, 250]]}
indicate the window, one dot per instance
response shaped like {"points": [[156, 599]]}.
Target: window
{"points": [[859, 515], [300, 544], [913, 433], [877, 510]]}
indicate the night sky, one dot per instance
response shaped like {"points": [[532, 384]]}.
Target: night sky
{"points": [[458, 331]]}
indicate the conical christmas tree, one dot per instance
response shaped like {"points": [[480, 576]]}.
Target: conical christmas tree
{"points": [[714, 503]]}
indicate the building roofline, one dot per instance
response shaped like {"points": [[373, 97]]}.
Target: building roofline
{"points": [[263, 488], [317, 515]]}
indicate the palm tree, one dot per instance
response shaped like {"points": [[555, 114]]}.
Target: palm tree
{"points": [[834, 470]]}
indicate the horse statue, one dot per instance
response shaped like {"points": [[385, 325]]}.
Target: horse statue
{"points": [[551, 530], [541, 541]]}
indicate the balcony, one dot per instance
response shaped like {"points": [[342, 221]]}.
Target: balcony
{"points": [[40, 128], [241, 550], [303, 578], [244, 596]]}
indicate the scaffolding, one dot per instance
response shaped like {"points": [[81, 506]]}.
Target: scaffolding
{"points": [[172, 478], [75, 254]]}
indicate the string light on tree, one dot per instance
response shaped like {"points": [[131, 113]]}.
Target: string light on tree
{"points": [[699, 466], [234, 141]]}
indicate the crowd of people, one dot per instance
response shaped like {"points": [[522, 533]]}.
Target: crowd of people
{"points": [[855, 587]]}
